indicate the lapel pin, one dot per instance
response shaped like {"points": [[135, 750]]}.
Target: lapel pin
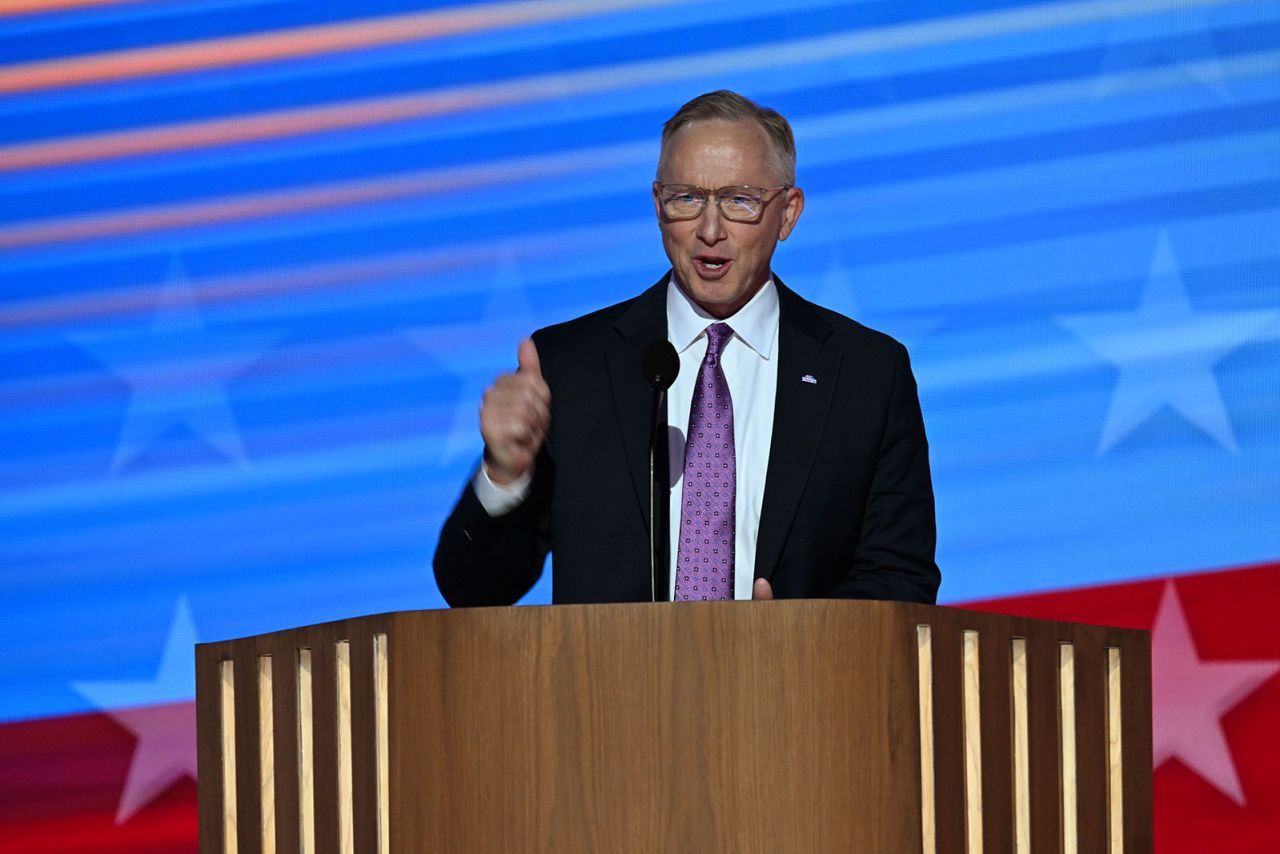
{"points": [[809, 378]]}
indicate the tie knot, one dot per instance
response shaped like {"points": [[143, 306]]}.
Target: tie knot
{"points": [[717, 334]]}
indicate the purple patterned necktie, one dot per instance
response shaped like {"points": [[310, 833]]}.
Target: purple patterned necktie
{"points": [[704, 561]]}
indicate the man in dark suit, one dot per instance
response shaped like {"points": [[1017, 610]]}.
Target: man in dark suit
{"points": [[798, 464]]}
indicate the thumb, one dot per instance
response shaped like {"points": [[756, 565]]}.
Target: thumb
{"points": [[527, 358], [762, 589]]}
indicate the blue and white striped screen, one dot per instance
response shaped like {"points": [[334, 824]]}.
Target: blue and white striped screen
{"points": [[259, 258]]}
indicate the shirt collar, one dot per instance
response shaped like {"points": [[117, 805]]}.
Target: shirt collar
{"points": [[756, 323]]}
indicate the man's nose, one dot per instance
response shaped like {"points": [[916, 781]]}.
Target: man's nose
{"points": [[711, 223]]}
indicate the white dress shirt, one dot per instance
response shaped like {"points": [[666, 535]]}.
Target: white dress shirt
{"points": [[750, 364]]}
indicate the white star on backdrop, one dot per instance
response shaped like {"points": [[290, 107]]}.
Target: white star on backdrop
{"points": [[837, 292], [178, 372], [1165, 352], [477, 352], [159, 712], [1190, 696]]}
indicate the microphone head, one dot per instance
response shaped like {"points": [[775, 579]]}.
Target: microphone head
{"points": [[660, 363]]}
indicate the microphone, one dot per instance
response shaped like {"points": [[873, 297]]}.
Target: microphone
{"points": [[660, 364]]}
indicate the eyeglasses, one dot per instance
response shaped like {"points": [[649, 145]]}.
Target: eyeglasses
{"points": [[740, 204]]}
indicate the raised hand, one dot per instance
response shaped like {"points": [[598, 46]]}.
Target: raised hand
{"points": [[514, 417]]}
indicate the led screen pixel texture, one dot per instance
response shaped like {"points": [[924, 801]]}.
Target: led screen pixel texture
{"points": [[256, 270]]}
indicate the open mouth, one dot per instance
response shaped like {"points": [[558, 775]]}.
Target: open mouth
{"points": [[711, 266]]}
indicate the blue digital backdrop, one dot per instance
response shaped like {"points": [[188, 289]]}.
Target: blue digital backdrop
{"points": [[251, 289]]}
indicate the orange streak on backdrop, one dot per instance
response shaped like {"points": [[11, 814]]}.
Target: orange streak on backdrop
{"points": [[213, 132], [286, 44], [26, 7], [287, 123], [402, 185]]}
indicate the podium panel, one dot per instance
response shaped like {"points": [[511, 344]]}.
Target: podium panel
{"points": [[804, 726]]}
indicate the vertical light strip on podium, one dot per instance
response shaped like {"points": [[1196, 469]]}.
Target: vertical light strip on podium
{"points": [[263, 834], [1021, 747], [266, 755], [381, 743], [346, 810], [1067, 745], [306, 758], [972, 744], [227, 672], [1115, 756], [924, 677]]}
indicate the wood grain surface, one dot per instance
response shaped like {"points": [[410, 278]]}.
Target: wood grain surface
{"points": [[727, 726]]}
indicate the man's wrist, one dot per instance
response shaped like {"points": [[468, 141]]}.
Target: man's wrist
{"points": [[499, 498]]}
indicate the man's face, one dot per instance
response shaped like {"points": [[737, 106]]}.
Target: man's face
{"points": [[721, 264]]}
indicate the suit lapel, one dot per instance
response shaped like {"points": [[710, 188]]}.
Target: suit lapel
{"points": [[643, 322], [800, 412]]}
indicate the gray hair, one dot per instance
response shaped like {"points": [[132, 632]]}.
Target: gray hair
{"points": [[725, 106]]}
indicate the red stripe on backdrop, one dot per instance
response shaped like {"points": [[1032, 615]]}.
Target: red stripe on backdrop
{"points": [[168, 826], [1221, 694], [61, 781]]}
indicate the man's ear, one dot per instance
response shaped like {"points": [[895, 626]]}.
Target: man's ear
{"points": [[657, 205], [791, 211]]}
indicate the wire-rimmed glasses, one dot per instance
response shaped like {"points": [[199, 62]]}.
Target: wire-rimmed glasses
{"points": [[736, 203]]}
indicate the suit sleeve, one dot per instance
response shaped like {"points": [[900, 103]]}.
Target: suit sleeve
{"points": [[894, 556], [494, 560]]}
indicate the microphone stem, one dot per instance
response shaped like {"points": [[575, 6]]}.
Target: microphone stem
{"points": [[658, 412]]}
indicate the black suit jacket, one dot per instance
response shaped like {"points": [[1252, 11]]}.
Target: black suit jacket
{"points": [[848, 502]]}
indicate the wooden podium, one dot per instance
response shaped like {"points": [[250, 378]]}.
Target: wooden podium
{"points": [[806, 726]]}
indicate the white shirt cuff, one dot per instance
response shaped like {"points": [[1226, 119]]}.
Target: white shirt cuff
{"points": [[497, 499]]}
